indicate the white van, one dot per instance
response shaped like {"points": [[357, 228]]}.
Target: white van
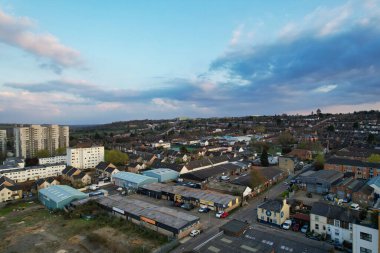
{"points": [[355, 206]]}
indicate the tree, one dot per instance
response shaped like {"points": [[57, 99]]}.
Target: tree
{"points": [[355, 125], [257, 178], [97, 136], [319, 161], [286, 138], [116, 157], [31, 162], [374, 158], [331, 128], [60, 151], [183, 150], [264, 158], [371, 139], [42, 153]]}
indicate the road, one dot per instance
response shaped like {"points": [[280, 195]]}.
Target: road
{"points": [[246, 213]]}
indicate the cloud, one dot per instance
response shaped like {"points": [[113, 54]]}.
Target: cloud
{"points": [[20, 32], [236, 35], [325, 88], [332, 65]]}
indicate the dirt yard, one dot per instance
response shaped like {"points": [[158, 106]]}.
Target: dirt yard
{"points": [[29, 227]]}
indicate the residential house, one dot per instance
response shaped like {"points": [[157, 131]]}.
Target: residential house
{"points": [[334, 222], [46, 182], [203, 164], [9, 190], [360, 169], [273, 211], [106, 169], [302, 154], [135, 167]]}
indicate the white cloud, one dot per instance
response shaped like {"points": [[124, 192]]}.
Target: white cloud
{"points": [[19, 32], [325, 88]]}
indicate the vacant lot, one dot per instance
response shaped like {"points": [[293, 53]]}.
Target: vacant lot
{"points": [[29, 227]]}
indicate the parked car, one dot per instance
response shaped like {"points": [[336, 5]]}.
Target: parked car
{"points": [[305, 228], [225, 178], [287, 224], [178, 204], [204, 210], [187, 206], [119, 189], [296, 227], [355, 206], [93, 187], [195, 232], [221, 214]]}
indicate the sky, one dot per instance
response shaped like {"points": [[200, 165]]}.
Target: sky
{"points": [[92, 62]]}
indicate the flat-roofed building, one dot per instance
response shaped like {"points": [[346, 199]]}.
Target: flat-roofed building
{"points": [[84, 158], [164, 220]]}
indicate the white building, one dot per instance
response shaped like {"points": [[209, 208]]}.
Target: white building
{"points": [[52, 160], [83, 158], [3, 141], [32, 173], [366, 239], [333, 221], [30, 140]]}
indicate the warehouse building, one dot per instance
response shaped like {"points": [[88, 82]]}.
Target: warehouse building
{"points": [[163, 175], [131, 180], [59, 196], [182, 194], [320, 181], [161, 219]]}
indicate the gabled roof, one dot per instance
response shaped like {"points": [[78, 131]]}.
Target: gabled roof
{"points": [[4, 179], [334, 212], [72, 171], [274, 205], [61, 192], [80, 175], [11, 187], [67, 169], [102, 165]]}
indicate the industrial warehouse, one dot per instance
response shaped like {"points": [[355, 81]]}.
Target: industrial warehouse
{"points": [[59, 196], [161, 219], [131, 180], [213, 200]]}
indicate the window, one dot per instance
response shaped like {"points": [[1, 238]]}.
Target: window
{"points": [[324, 227], [365, 250], [365, 237], [336, 231], [316, 226], [336, 223]]}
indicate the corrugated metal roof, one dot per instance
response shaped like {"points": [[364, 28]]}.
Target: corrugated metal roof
{"points": [[61, 192], [131, 177]]}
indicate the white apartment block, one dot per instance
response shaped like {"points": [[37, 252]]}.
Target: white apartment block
{"points": [[83, 158], [32, 173], [29, 140], [366, 239], [3, 141], [52, 160]]}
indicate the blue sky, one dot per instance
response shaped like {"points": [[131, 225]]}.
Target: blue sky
{"points": [[81, 62]]}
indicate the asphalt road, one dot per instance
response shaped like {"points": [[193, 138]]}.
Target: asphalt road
{"points": [[246, 213]]}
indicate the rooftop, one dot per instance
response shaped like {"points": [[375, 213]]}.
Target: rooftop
{"points": [[61, 192], [131, 177], [163, 215]]}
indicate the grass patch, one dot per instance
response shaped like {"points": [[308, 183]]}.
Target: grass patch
{"points": [[13, 206]]}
